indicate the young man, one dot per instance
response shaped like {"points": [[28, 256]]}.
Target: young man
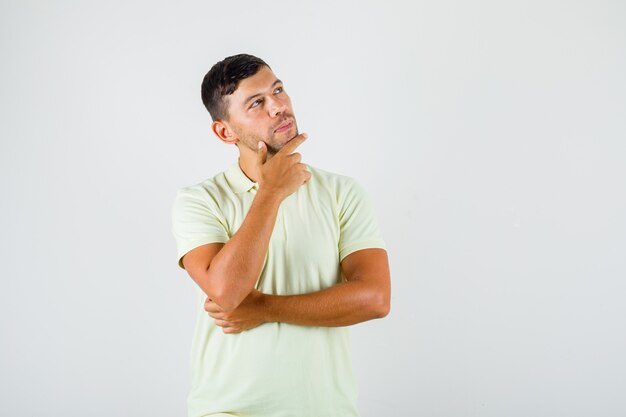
{"points": [[286, 256]]}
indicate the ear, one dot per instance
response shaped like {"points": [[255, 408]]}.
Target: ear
{"points": [[224, 132]]}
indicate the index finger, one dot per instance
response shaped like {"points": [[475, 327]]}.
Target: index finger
{"points": [[293, 143]]}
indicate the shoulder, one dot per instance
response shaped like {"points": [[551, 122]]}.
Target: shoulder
{"points": [[207, 191]]}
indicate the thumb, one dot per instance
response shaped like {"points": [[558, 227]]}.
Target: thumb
{"points": [[262, 153]]}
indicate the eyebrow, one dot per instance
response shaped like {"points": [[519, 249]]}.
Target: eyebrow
{"points": [[258, 94]]}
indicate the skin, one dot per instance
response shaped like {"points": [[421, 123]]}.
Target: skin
{"points": [[365, 295], [256, 120]]}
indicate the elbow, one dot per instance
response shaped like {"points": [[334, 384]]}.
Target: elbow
{"points": [[226, 302], [226, 297], [229, 298], [229, 307], [383, 311], [382, 304]]}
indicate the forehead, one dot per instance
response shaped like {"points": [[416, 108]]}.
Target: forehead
{"points": [[257, 83]]}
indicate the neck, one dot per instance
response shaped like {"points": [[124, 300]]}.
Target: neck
{"points": [[248, 161]]}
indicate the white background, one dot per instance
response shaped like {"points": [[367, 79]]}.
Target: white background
{"points": [[491, 135]]}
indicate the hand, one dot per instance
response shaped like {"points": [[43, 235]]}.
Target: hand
{"points": [[249, 314], [283, 173]]}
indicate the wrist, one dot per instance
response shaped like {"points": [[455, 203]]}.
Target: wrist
{"points": [[268, 196], [266, 307]]}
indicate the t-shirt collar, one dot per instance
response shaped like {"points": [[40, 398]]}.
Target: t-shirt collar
{"points": [[238, 180]]}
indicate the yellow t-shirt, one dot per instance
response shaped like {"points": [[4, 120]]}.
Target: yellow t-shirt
{"points": [[277, 369]]}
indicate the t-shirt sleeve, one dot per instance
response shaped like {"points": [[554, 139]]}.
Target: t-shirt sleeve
{"points": [[196, 221], [358, 224]]}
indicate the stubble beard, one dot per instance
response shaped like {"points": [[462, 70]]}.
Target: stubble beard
{"points": [[252, 140]]}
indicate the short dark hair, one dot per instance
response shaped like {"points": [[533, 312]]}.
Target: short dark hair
{"points": [[223, 79]]}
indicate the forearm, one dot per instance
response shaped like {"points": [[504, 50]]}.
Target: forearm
{"points": [[235, 269], [343, 304]]}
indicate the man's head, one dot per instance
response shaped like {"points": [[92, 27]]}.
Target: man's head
{"points": [[247, 104]]}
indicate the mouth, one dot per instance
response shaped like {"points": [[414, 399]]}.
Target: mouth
{"points": [[284, 126]]}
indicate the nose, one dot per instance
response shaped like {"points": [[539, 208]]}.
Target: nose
{"points": [[277, 106]]}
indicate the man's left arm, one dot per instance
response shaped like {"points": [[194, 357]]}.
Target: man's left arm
{"points": [[365, 295]]}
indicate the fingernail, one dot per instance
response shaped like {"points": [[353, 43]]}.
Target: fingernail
{"points": [[305, 135], [260, 145]]}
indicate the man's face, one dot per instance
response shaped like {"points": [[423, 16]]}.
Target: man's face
{"points": [[257, 108]]}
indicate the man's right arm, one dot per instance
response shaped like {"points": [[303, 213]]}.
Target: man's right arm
{"points": [[227, 272]]}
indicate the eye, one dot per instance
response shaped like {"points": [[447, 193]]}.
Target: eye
{"points": [[260, 100]]}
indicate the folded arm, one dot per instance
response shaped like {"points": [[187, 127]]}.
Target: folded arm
{"points": [[364, 296]]}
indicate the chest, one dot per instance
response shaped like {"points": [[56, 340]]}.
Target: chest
{"points": [[303, 252]]}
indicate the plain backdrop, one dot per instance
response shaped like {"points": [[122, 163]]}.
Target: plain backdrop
{"points": [[490, 134]]}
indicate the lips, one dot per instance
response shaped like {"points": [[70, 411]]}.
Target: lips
{"points": [[284, 125]]}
